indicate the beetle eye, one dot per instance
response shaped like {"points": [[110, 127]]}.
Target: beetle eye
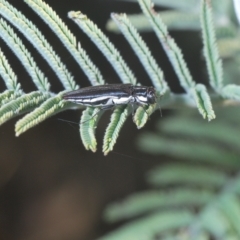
{"points": [[151, 96]]}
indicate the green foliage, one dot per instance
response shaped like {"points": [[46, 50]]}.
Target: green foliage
{"points": [[118, 118], [196, 195], [214, 63], [43, 103], [51, 106], [88, 125], [142, 51], [21, 104], [174, 19]]}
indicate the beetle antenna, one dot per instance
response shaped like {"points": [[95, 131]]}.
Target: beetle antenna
{"points": [[70, 123], [92, 116], [67, 121]]}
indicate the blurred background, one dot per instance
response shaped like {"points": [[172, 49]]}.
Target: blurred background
{"points": [[50, 186]]}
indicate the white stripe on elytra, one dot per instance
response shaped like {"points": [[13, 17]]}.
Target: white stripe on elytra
{"points": [[122, 100], [111, 100], [142, 99]]}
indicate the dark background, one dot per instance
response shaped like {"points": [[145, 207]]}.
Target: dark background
{"points": [[51, 187]]}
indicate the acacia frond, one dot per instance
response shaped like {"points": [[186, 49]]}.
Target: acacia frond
{"points": [[203, 101], [214, 63], [116, 60], [31, 32], [118, 118], [185, 5], [142, 51], [208, 190], [51, 106], [231, 91], [196, 94], [7, 96], [105, 46], [149, 227], [25, 57], [88, 125], [172, 50], [7, 74], [143, 114], [211, 132], [175, 56], [181, 4], [145, 202], [179, 173], [177, 148], [68, 39], [149, 63], [21, 104], [174, 20]]}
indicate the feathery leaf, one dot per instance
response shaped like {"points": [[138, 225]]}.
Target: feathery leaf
{"points": [[51, 106], [188, 150], [145, 202], [142, 114], [172, 50], [68, 39], [181, 4], [30, 31], [7, 96], [203, 101], [88, 125], [231, 91], [21, 104], [118, 118], [214, 63], [174, 20], [210, 132], [105, 46], [149, 227], [142, 51], [25, 57], [179, 173], [7, 74], [208, 190]]}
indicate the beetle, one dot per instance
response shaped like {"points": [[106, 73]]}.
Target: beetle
{"points": [[108, 96]]}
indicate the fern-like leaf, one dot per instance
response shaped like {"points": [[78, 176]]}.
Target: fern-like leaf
{"points": [[142, 51], [105, 46], [150, 226], [200, 175], [214, 63], [8, 75], [174, 20], [231, 91], [31, 32], [25, 57], [176, 58], [142, 115], [50, 107], [181, 4], [208, 190], [196, 94], [145, 202], [21, 104], [118, 118], [203, 101], [7, 96], [68, 39], [172, 50], [88, 125]]}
